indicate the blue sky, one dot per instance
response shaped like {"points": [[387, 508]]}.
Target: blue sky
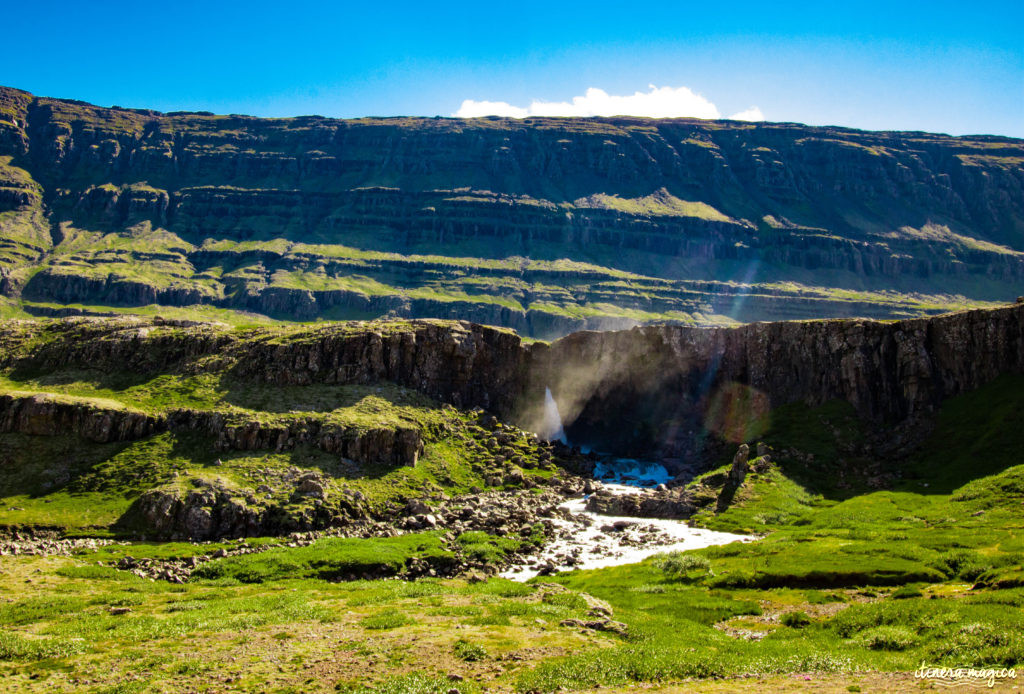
{"points": [[953, 67]]}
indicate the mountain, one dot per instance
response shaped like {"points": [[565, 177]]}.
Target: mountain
{"points": [[544, 225]]}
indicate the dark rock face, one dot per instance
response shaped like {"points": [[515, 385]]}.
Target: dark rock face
{"points": [[48, 415], [391, 446], [464, 364], [738, 471], [211, 512], [461, 363], [333, 173], [669, 384], [651, 389]]}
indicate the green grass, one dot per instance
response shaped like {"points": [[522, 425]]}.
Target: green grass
{"points": [[414, 683], [661, 203], [849, 576], [974, 437], [483, 547], [469, 651], [330, 559], [56, 624], [899, 564], [387, 619]]}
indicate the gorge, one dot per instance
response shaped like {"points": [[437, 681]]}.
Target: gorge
{"points": [[667, 391]]}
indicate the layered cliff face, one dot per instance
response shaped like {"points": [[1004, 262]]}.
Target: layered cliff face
{"points": [[544, 225], [671, 388], [649, 389], [457, 362], [196, 430], [279, 428]]}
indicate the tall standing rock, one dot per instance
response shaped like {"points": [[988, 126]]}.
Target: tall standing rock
{"points": [[738, 471]]}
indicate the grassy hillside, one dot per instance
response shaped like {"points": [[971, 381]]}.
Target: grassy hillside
{"points": [[85, 443]]}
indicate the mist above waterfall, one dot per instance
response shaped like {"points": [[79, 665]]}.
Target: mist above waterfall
{"points": [[551, 425]]}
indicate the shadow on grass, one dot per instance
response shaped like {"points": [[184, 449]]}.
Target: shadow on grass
{"points": [[976, 435]]}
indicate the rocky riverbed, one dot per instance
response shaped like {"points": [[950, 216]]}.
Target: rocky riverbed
{"points": [[584, 539], [574, 537]]}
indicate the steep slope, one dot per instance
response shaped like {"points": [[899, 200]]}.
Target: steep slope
{"points": [[544, 225], [200, 431], [677, 389], [668, 390]]}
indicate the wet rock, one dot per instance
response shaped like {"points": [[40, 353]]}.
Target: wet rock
{"points": [[671, 503]]}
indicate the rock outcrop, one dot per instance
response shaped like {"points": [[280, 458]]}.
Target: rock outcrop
{"points": [[457, 362], [669, 385], [380, 445], [670, 503], [655, 387], [43, 414], [101, 422], [738, 471]]}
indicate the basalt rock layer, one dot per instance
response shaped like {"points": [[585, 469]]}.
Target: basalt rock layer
{"points": [[461, 363], [41, 414], [672, 386], [655, 388], [545, 225]]}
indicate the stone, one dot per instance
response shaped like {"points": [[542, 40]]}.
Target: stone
{"points": [[738, 471], [312, 487], [597, 607], [597, 625], [417, 507]]}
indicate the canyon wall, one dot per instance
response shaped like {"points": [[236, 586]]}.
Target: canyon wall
{"points": [[670, 386], [98, 421], [654, 389]]}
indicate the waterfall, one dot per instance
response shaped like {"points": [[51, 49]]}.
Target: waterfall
{"points": [[551, 428]]}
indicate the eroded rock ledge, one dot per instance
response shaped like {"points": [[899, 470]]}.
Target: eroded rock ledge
{"points": [[665, 387], [101, 421], [656, 388]]}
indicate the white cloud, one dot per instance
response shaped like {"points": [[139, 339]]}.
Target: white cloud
{"points": [[476, 109], [752, 113], [659, 102]]}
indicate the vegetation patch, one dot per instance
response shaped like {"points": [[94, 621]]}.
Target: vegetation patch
{"points": [[331, 559]]}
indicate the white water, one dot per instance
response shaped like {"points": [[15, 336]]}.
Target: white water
{"points": [[551, 428], [630, 471], [592, 548], [582, 544]]}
